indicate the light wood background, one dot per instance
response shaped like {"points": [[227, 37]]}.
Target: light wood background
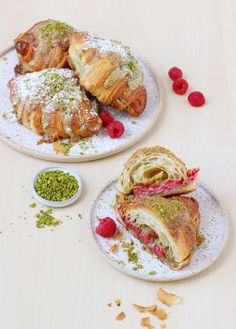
{"points": [[57, 279]]}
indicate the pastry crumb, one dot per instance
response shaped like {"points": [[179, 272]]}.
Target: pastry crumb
{"points": [[145, 322], [121, 316], [159, 313], [114, 248], [118, 302], [168, 298]]}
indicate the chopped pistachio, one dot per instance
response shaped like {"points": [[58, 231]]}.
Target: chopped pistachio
{"points": [[45, 218], [56, 185]]}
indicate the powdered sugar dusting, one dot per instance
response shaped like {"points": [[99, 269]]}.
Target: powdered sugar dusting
{"points": [[106, 45]]}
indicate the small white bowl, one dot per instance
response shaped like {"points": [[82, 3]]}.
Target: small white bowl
{"points": [[63, 203]]}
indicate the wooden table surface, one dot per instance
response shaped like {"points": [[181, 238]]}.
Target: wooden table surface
{"points": [[56, 279]]}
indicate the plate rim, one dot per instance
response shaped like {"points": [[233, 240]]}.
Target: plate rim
{"points": [[149, 278], [73, 159]]}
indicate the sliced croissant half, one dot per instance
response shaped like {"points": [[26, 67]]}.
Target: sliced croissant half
{"points": [[156, 170], [168, 227]]}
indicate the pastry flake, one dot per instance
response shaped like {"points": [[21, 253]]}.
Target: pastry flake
{"points": [[121, 316], [168, 298]]}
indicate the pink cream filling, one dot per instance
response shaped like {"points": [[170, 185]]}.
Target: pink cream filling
{"points": [[149, 238], [144, 190]]}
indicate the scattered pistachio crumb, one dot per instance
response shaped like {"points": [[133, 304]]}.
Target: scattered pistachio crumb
{"points": [[152, 273], [33, 205], [45, 218]]}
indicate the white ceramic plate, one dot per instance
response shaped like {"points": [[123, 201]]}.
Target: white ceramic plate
{"points": [[99, 146], [214, 226]]}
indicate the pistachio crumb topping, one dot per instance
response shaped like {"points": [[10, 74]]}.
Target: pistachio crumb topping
{"points": [[54, 29]]}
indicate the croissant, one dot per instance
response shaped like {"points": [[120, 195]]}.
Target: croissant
{"points": [[156, 170], [52, 104], [168, 227], [44, 45], [108, 70]]}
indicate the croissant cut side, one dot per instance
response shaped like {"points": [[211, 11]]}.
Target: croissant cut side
{"points": [[44, 45], [52, 104], [108, 71], [168, 227], [156, 170]]}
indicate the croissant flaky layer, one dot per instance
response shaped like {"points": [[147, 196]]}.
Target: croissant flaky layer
{"points": [[156, 170], [44, 45], [167, 226], [108, 70], [52, 104]]}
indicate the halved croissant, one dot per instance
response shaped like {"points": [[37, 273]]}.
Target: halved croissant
{"points": [[44, 45], [52, 104], [156, 170], [167, 226], [108, 71]]}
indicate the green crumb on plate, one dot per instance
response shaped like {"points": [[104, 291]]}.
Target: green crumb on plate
{"points": [[152, 273]]}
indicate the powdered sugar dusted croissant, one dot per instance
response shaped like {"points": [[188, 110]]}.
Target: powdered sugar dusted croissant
{"points": [[167, 226], [108, 70], [156, 170], [52, 104], [44, 45]]}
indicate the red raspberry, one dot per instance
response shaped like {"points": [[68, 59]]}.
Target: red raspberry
{"points": [[115, 129], [106, 117], [180, 86], [175, 73], [196, 98], [106, 227]]}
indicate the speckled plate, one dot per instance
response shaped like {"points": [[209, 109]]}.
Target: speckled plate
{"points": [[96, 147], [214, 226]]}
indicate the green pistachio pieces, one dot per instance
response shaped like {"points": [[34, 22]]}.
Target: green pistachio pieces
{"points": [[45, 218], [56, 185]]}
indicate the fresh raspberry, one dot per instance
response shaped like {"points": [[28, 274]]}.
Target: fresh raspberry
{"points": [[106, 227], [115, 129], [106, 117], [175, 73], [196, 98], [180, 86]]}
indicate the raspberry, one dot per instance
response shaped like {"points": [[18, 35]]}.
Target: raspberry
{"points": [[196, 98], [180, 86], [106, 227], [175, 73], [106, 117], [115, 129]]}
